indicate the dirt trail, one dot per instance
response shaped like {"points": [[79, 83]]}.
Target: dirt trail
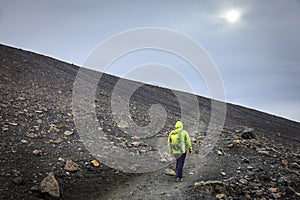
{"points": [[158, 185]]}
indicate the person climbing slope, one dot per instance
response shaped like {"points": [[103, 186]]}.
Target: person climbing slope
{"points": [[178, 144]]}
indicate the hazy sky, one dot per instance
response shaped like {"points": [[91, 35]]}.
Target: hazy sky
{"points": [[258, 56]]}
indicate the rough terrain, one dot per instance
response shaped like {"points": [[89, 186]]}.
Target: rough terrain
{"points": [[257, 155]]}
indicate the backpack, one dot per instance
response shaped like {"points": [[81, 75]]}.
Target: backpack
{"points": [[178, 145]]}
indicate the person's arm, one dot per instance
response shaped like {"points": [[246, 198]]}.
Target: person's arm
{"points": [[188, 142], [169, 144]]}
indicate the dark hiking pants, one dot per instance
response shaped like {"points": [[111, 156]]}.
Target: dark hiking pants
{"points": [[179, 165]]}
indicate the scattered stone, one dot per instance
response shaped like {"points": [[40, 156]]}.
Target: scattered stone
{"points": [[32, 135], [71, 166], [123, 124], [220, 153], [18, 180], [68, 133], [259, 192], [245, 160], [56, 141], [276, 195], [292, 191], [37, 152], [163, 159], [243, 181], [220, 196], [237, 141], [295, 165], [230, 145], [249, 134], [278, 134], [123, 144], [272, 190], [21, 98], [53, 128], [143, 151], [296, 154], [284, 162], [136, 144], [63, 126], [49, 185], [249, 167], [223, 173], [12, 123], [135, 138], [266, 153], [194, 140], [23, 141], [200, 139], [170, 172], [95, 163], [204, 183], [34, 188], [210, 187]]}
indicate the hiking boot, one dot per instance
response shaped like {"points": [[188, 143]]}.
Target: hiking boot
{"points": [[178, 179]]}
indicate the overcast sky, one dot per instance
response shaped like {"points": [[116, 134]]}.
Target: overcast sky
{"points": [[258, 56]]}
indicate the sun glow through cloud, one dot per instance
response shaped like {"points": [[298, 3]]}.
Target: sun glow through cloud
{"points": [[232, 16]]}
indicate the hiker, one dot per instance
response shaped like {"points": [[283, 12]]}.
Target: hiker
{"points": [[178, 144]]}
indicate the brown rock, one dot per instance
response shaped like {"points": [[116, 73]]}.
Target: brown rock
{"points": [[62, 126], [220, 196], [95, 163], [284, 162], [50, 186], [71, 166], [272, 190]]}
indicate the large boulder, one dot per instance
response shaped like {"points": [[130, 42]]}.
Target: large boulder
{"points": [[249, 134]]}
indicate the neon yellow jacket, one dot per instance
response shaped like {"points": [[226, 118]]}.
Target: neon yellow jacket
{"points": [[178, 139]]}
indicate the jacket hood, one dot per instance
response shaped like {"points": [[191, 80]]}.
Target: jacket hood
{"points": [[178, 125]]}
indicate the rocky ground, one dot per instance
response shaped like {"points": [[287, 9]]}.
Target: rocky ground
{"points": [[257, 156]]}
